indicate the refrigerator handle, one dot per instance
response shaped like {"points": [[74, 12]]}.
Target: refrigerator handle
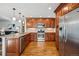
{"points": [[65, 35]]}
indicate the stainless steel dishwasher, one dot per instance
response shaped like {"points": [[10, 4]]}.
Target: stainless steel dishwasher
{"points": [[22, 45], [0, 46]]}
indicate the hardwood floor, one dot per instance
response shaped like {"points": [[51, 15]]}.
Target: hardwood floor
{"points": [[40, 49]]}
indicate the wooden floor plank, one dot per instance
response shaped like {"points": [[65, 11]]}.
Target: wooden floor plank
{"points": [[40, 49]]}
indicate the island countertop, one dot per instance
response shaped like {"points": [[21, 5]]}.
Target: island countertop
{"points": [[16, 35]]}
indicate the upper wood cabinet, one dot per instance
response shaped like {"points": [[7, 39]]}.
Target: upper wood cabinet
{"points": [[32, 22]]}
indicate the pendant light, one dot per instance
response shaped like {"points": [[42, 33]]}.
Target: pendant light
{"points": [[14, 18], [19, 17], [23, 19]]}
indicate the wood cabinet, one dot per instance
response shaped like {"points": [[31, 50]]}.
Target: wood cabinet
{"points": [[49, 36], [27, 39], [52, 23], [15, 46], [33, 36], [12, 47], [24, 41], [32, 22]]}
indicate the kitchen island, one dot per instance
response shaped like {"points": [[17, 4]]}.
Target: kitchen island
{"points": [[14, 44]]}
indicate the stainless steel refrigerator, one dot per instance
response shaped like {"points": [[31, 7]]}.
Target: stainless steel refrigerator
{"points": [[69, 34]]}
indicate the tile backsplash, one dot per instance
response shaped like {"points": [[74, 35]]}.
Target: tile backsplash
{"points": [[46, 30]]}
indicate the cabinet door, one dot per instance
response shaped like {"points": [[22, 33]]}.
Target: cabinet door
{"points": [[33, 37], [52, 36], [49, 36], [46, 36], [12, 47], [52, 23], [27, 39]]}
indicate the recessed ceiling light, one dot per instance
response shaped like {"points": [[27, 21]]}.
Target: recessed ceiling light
{"points": [[30, 16], [40, 16], [48, 16], [20, 21], [49, 8], [65, 8]]}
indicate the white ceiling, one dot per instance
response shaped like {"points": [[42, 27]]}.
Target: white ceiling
{"points": [[27, 9]]}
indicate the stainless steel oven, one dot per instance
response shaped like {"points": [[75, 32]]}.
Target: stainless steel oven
{"points": [[40, 32], [41, 36]]}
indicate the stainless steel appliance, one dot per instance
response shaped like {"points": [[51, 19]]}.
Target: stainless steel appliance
{"points": [[0, 46], [61, 35], [22, 45], [40, 35], [40, 32], [69, 34]]}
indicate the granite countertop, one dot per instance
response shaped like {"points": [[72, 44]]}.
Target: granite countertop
{"points": [[50, 31], [17, 35]]}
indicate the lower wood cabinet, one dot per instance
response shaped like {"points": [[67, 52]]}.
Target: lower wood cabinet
{"points": [[12, 47], [33, 36], [15, 46], [27, 39], [49, 36]]}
